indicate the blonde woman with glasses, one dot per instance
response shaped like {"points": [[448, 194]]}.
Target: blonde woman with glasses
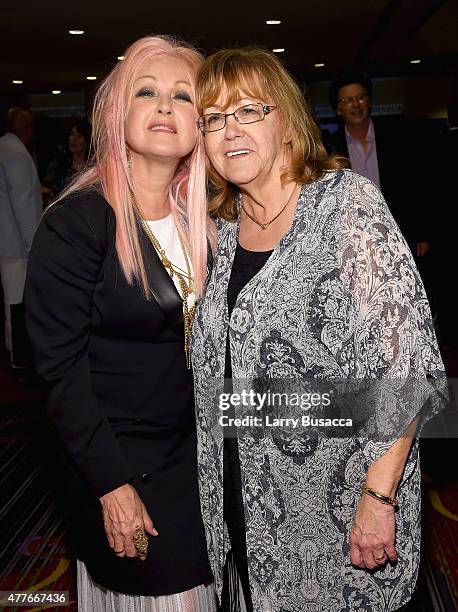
{"points": [[312, 282]]}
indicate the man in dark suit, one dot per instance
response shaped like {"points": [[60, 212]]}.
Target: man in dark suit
{"points": [[381, 150]]}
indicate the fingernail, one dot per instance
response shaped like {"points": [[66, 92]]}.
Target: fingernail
{"points": [[155, 532]]}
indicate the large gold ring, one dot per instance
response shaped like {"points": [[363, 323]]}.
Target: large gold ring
{"points": [[140, 541]]}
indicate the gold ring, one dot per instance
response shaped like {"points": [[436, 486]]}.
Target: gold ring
{"points": [[140, 541], [117, 552]]}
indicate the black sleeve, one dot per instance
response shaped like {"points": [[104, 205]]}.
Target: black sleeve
{"points": [[63, 268]]}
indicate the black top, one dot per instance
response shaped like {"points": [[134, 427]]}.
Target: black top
{"points": [[246, 265], [118, 392]]}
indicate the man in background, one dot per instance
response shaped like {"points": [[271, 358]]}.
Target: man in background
{"points": [[20, 210], [381, 149]]}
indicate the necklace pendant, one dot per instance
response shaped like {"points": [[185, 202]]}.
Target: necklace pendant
{"points": [[264, 226], [186, 288]]}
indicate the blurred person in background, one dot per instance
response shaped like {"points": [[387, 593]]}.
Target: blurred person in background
{"points": [[20, 210], [66, 164], [380, 149]]}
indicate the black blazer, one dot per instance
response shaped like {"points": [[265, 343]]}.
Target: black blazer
{"points": [[399, 173], [118, 392]]}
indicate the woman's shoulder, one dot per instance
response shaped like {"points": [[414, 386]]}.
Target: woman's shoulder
{"points": [[89, 201], [87, 204], [354, 192], [361, 205], [345, 179], [83, 213]]}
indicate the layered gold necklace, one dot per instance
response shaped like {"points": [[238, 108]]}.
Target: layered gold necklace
{"points": [[185, 278]]}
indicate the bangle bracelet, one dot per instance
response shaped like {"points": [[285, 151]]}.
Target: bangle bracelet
{"points": [[384, 499]]}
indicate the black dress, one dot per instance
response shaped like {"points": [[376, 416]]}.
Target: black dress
{"points": [[246, 265], [119, 394]]}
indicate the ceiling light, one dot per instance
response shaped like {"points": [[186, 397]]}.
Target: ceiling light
{"points": [[91, 78], [76, 32], [415, 61], [120, 57], [56, 92], [319, 65], [280, 50], [17, 82], [273, 22]]}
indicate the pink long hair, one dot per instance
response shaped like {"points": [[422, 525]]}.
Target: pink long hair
{"points": [[109, 170]]}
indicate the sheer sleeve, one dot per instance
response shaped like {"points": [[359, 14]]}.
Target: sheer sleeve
{"points": [[395, 347]]}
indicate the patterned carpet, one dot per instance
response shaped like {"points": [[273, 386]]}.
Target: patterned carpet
{"points": [[34, 545], [35, 551]]}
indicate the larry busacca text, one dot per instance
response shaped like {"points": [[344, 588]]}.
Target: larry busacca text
{"points": [[268, 405]]}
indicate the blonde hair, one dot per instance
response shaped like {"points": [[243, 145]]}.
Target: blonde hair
{"points": [[109, 171], [256, 73]]}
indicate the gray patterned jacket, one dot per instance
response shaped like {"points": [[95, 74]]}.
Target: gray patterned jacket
{"points": [[339, 297]]}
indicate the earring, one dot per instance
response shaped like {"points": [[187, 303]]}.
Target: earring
{"points": [[129, 159]]}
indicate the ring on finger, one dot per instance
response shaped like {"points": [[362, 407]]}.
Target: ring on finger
{"points": [[140, 541], [118, 552]]}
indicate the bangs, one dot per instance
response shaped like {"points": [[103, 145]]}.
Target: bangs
{"points": [[237, 78]]}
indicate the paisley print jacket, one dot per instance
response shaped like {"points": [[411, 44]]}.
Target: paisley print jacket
{"points": [[339, 297]]}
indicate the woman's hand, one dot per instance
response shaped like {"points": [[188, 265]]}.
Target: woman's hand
{"points": [[372, 537], [123, 511]]}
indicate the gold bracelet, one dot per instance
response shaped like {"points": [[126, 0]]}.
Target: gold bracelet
{"points": [[384, 499]]}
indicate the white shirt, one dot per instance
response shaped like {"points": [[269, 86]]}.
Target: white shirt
{"points": [[364, 162], [167, 235]]}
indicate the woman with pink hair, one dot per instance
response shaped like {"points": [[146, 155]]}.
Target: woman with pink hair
{"points": [[115, 269]]}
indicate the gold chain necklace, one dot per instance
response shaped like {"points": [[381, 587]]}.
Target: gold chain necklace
{"points": [[265, 225], [185, 280]]}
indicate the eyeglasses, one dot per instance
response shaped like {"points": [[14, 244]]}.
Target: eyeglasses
{"points": [[359, 99], [250, 113]]}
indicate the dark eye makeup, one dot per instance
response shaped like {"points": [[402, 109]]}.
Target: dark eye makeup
{"points": [[182, 95], [147, 92]]}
